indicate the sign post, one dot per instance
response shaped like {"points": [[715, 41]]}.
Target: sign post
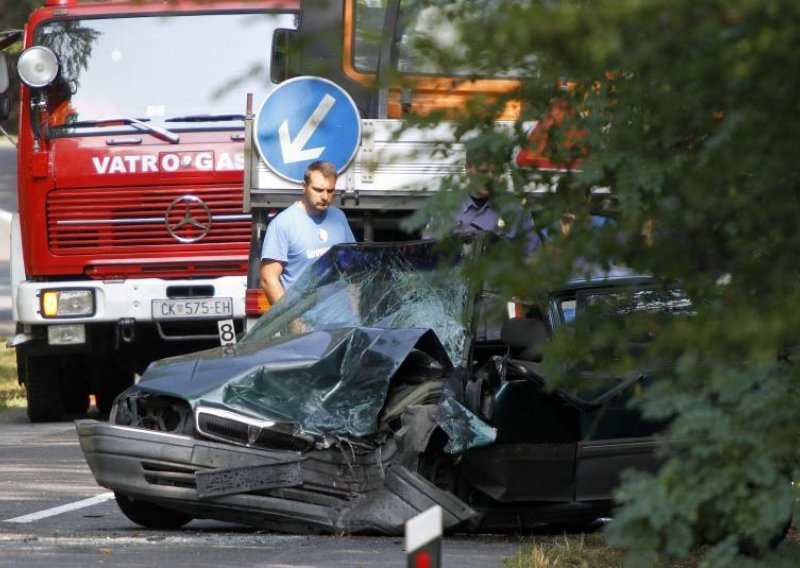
{"points": [[424, 539], [306, 119]]}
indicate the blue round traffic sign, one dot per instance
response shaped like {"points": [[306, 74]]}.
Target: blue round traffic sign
{"points": [[306, 119]]}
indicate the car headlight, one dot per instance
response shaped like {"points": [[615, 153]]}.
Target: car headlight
{"points": [[67, 303]]}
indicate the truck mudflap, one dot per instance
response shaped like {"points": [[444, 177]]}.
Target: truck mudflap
{"points": [[323, 491]]}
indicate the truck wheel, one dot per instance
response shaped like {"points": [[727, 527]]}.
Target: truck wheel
{"points": [[150, 515], [75, 386], [43, 388], [110, 379]]}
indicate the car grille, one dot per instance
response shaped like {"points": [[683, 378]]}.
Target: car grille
{"points": [[228, 427], [133, 219], [223, 428]]}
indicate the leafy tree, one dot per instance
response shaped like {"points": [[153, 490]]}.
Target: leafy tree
{"points": [[15, 12], [687, 112]]}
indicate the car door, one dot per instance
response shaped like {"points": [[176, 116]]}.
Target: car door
{"points": [[614, 435]]}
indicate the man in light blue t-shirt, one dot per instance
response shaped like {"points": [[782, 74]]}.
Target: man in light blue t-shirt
{"points": [[302, 232]]}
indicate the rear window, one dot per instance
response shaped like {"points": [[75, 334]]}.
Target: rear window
{"points": [[616, 303]]}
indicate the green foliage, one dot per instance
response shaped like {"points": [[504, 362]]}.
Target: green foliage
{"points": [[688, 116], [15, 12]]}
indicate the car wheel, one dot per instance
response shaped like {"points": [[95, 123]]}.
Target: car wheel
{"points": [[150, 515], [437, 466]]}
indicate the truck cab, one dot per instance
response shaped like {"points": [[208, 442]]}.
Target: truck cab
{"points": [[131, 242]]}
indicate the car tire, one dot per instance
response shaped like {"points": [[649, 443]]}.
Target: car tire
{"points": [[43, 389], [150, 515], [437, 466]]}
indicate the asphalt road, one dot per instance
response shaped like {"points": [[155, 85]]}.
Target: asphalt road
{"points": [[46, 521]]}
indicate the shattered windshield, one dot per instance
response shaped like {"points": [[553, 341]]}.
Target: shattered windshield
{"points": [[386, 286]]}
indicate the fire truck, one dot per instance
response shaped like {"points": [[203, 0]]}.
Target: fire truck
{"points": [[131, 242]]}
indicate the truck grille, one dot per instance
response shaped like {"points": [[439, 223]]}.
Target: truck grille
{"points": [[136, 221]]}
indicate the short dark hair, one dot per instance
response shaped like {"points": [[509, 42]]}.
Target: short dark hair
{"points": [[478, 153], [325, 168]]}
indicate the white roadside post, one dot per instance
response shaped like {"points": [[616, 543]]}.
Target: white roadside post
{"points": [[424, 539]]}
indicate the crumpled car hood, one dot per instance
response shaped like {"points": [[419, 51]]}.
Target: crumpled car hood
{"points": [[323, 382]]}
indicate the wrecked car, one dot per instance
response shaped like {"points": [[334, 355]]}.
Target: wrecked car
{"points": [[374, 390]]}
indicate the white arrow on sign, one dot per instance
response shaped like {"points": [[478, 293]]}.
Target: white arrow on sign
{"points": [[292, 150]]}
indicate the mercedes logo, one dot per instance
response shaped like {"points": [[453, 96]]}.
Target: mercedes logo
{"points": [[253, 433], [188, 219]]}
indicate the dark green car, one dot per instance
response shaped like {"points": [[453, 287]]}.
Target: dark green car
{"points": [[373, 391]]}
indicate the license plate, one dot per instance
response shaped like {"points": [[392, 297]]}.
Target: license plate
{"points": [[190, 308], [218, 482]]}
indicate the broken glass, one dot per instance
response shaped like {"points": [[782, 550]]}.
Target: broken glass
{"points": [[387, 287], [359, 317]]}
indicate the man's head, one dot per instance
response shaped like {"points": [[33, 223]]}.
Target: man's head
{"points": [[484, 166], [319, 183]]}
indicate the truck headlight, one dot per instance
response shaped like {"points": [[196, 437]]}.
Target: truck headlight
{"points": [[67, 303], [37, 66]]}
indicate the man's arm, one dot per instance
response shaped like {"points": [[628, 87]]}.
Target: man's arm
{"points": [[271, 271]]}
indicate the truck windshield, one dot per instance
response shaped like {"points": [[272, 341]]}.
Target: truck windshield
{"points": [[420, 22], [159, 68]]}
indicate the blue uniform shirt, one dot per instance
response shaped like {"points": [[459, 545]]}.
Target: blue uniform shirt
{"points": [[297, 239], [475, 217]]}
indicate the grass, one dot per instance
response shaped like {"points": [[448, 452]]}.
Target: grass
{"points": [[12, 395], [583, 551], [591, 550]]}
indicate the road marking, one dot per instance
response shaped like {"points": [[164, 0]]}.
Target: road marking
{"points": [[103, 497]]}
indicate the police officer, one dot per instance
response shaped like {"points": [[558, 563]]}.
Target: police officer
{"points": [[477, 214]]}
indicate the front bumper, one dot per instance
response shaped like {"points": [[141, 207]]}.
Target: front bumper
{"points": [[339, 490], [122, 299]]}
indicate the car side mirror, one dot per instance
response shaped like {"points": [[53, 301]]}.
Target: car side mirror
{"points": [[525, 337]]}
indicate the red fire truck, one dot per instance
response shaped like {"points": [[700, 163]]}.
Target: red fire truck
{"points": [[131, 242]]}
